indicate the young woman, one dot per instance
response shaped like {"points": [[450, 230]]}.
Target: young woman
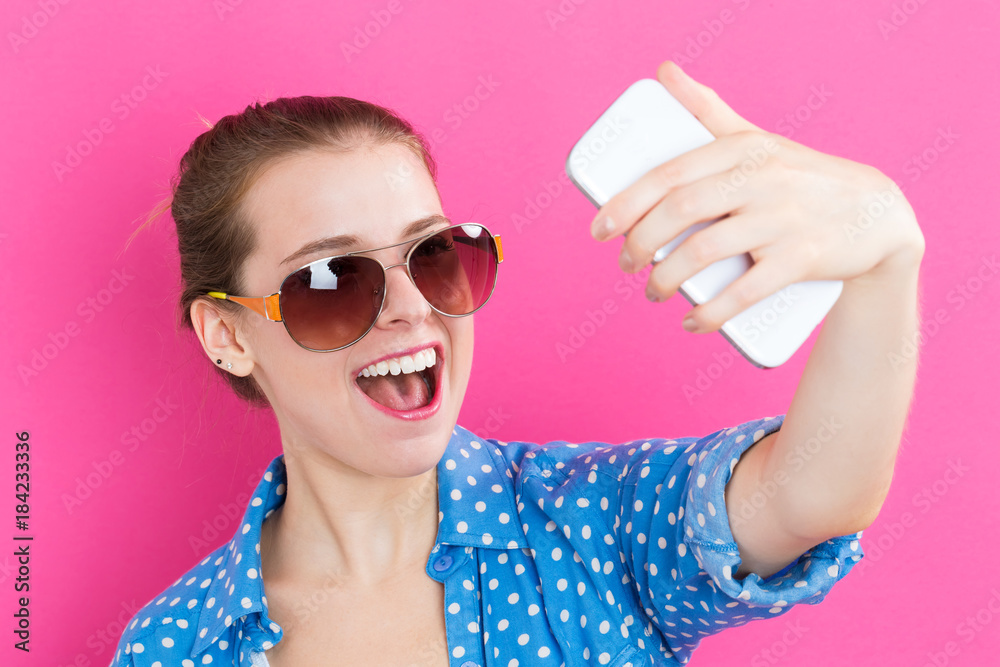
{"points": [[386, 534]]}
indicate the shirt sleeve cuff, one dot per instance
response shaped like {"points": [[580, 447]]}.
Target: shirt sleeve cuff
{"points": [[708, 535]]}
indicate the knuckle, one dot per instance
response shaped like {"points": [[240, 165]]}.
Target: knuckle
{"points": [[668, 174], [748, 138], [684, 204], [810, 253], [637, 249], [744, 294], [658, 281], [779, 141], [703, 249], [710, 92]]}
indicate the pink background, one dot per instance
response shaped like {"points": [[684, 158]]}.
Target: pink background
{"points": [[931, 559]]}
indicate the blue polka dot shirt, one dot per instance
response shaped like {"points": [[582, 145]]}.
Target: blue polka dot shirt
{"points": [[555, 554]]}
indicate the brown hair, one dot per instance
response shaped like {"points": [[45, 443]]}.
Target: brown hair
{"points": [[214, 234]]}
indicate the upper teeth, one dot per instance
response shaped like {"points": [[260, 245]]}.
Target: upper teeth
{"points": [[405, 364]]}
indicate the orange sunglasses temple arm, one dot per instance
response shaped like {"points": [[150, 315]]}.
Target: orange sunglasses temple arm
{"points": [[264, 305], [268, 305]]}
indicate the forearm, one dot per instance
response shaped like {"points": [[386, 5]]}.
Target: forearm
{"points": [[842, 431]]}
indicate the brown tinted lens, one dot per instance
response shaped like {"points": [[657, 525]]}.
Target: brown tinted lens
{"points": [[332, 302], [456, 269]]}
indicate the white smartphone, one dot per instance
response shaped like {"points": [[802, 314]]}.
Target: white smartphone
{"points": [[645, 127]]}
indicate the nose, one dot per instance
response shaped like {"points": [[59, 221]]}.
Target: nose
{"points": [[403, 304]]}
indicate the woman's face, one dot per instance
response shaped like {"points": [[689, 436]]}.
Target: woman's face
{"points": [[325, 417]]}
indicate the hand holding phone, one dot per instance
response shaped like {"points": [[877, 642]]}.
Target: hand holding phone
{"points": [[646, 127]]}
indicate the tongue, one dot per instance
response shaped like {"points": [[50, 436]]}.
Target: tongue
{"points": [[406, 391]]}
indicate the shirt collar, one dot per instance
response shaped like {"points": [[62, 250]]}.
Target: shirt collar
{"points": [[236, 589], [476, 506], [476, 495]]}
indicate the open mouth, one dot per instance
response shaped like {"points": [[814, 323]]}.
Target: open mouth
{"points": [[403, 384]]}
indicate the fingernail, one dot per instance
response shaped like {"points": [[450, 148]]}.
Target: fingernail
{"points": [[625, 261], [689, 324], [602, 227]]}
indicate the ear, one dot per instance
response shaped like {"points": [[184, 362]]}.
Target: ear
{"points": [[217, 332]]}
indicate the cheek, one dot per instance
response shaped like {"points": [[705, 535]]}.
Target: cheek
{"points": [[296, 378], [460, 368]]}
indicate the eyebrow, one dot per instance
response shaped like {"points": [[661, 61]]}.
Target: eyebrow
{"points": [[343, 241]]}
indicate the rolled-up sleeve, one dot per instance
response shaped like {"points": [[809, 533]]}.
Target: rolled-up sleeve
{"points": [[647, 527], [709, 536], [677, 539]]}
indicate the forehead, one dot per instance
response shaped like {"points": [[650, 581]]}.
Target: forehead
{"points": [[370, 192]]}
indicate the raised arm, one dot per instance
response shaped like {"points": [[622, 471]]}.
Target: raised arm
{"points": [[802, 215], [831, 464]]}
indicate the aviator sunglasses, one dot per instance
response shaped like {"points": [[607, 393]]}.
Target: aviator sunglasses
{"points": [[331, 303]]}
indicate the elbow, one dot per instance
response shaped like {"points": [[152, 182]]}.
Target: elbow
{"points": [[818, 521]]}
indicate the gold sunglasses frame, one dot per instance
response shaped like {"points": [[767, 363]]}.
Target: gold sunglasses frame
{"points": [[270, 306]]}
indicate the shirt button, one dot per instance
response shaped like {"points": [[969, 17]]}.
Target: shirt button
{"points": [[442, 564], [469, 663]]}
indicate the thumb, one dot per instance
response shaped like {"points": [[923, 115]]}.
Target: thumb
{"points": [[702, 101]]}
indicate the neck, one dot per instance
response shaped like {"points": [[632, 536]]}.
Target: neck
{"points": [[343, 525]]}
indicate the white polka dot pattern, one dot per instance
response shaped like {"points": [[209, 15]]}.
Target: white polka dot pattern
{"points": [[551, 554]]}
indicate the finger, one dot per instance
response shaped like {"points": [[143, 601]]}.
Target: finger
{"points": [[729, 237], [677, 216], [627, 207], [764, 279], [702, 101]]}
